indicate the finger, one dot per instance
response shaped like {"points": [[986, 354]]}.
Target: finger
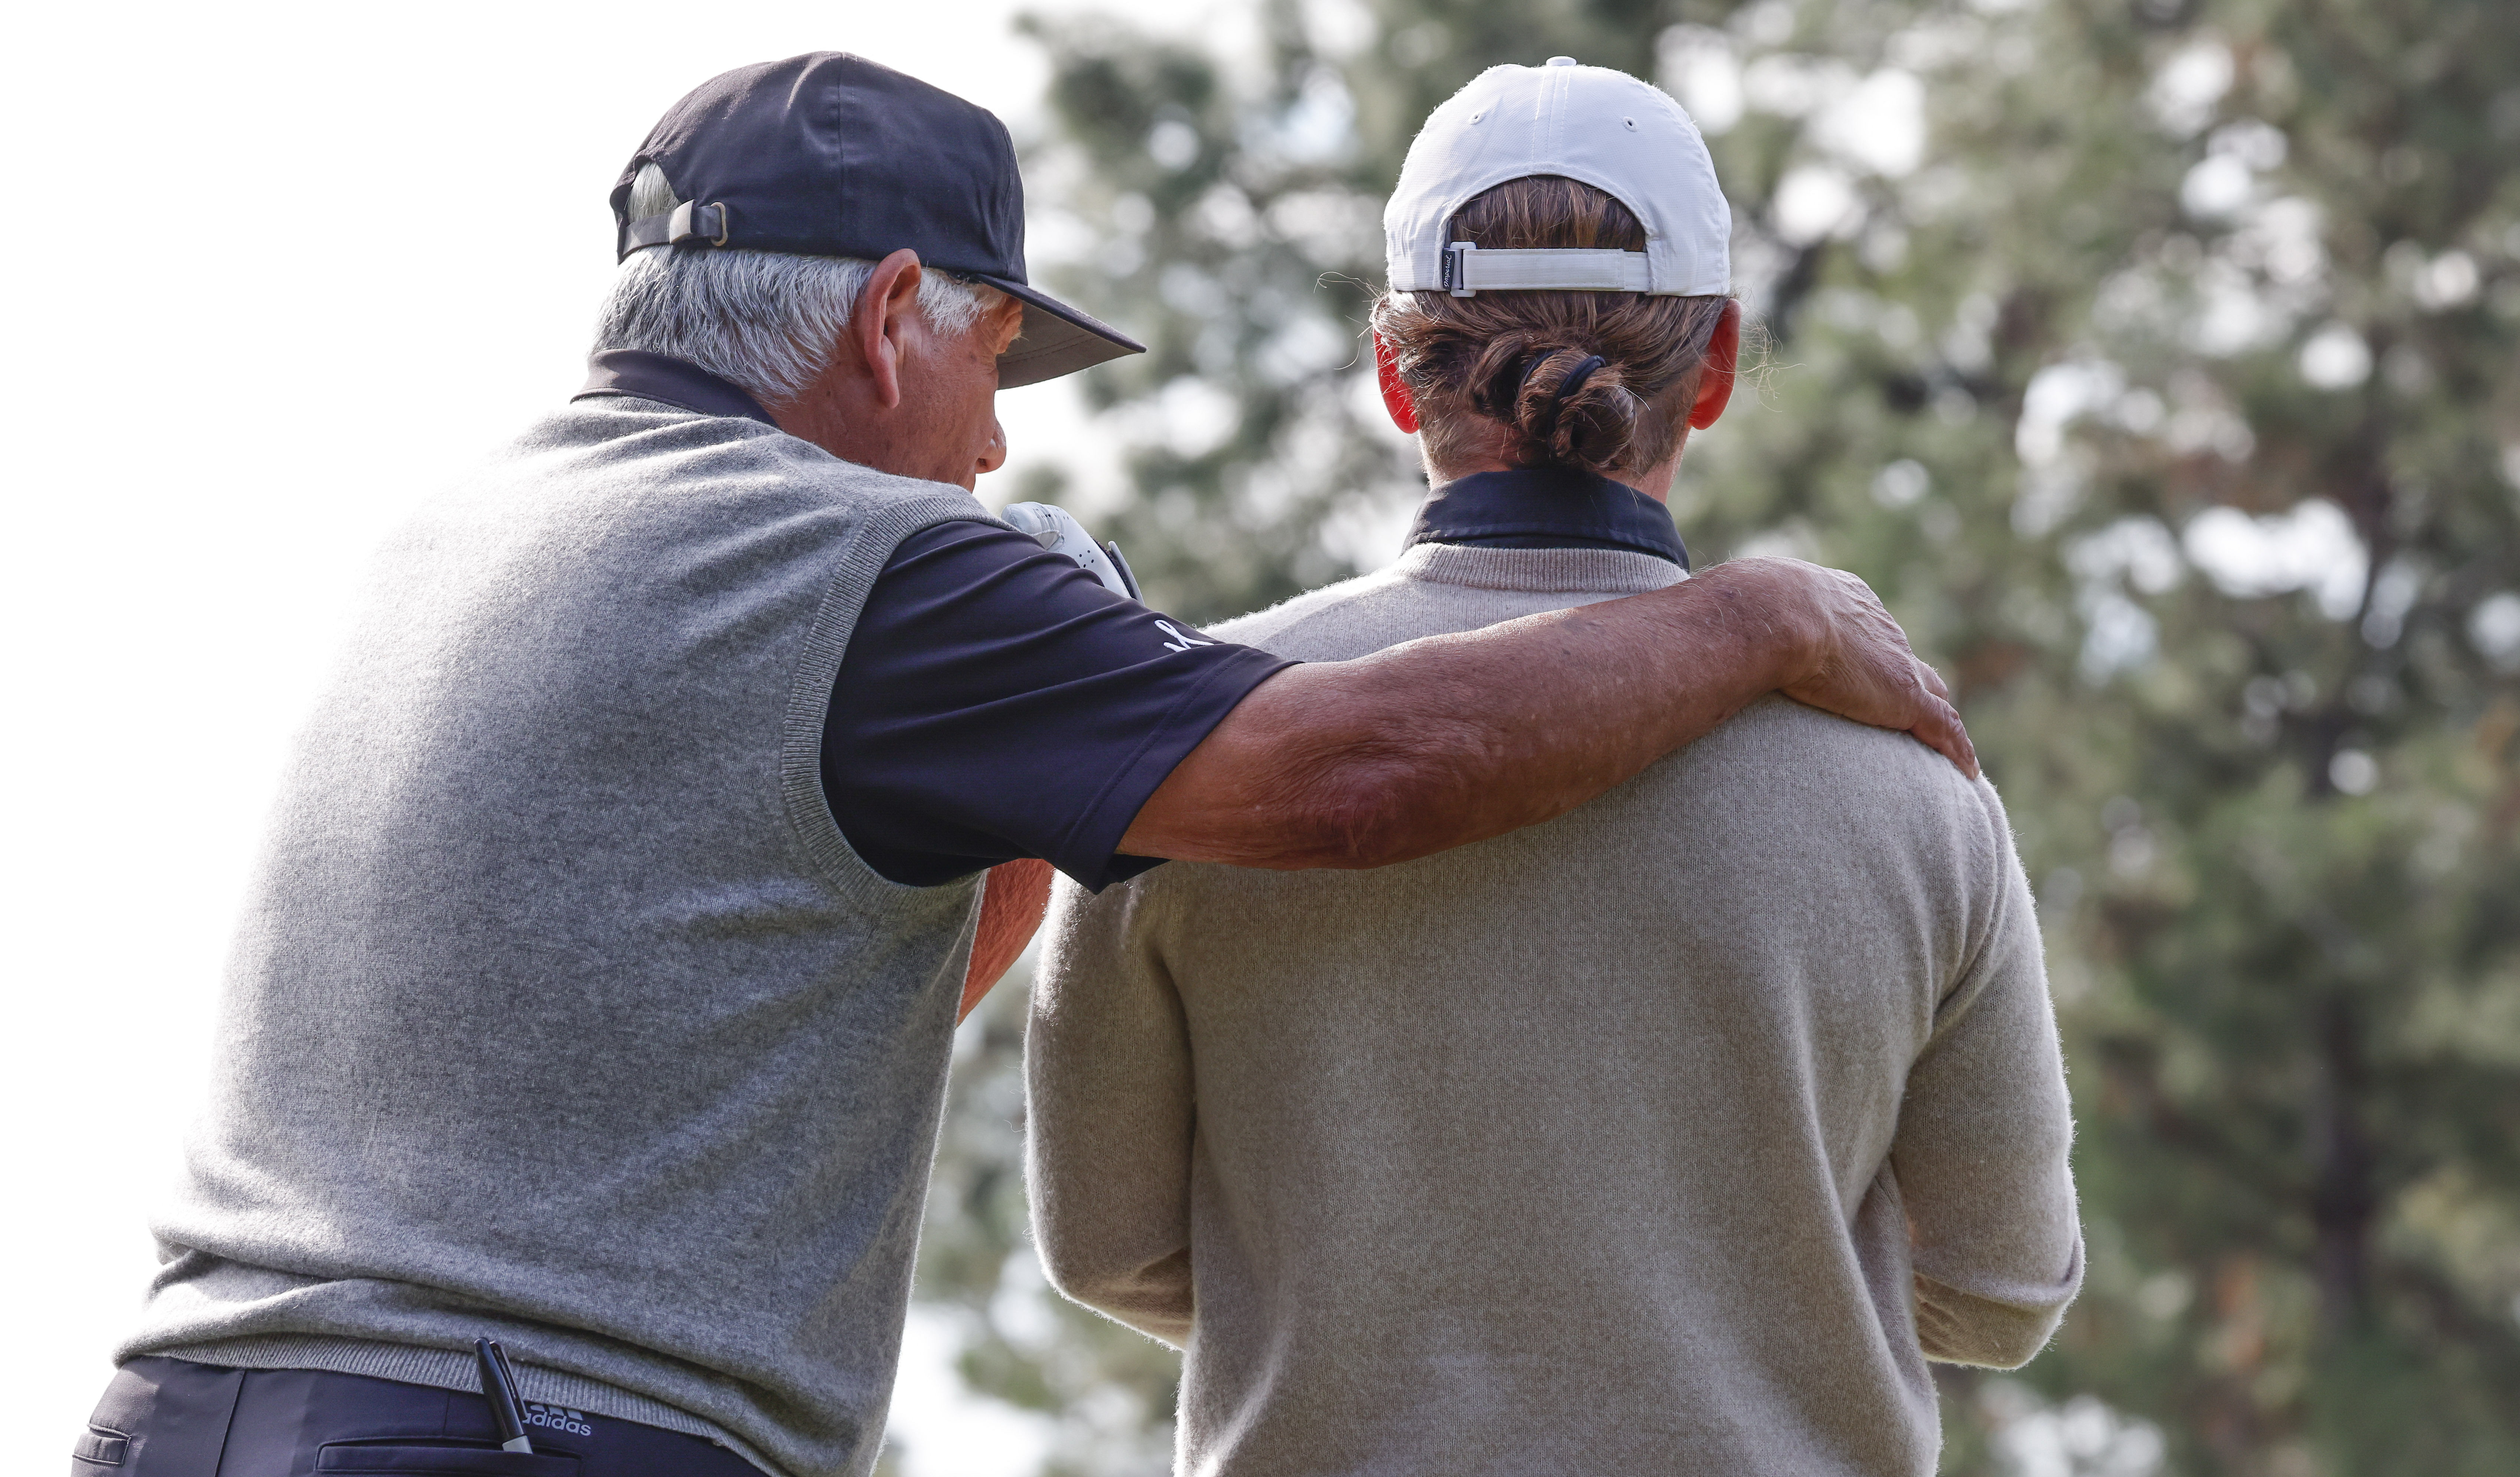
{"points": [[1932, 679], [1941, 730], [1858, 589]]}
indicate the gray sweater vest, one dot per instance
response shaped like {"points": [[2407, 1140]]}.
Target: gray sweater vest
{"points": [[562, 1010]]}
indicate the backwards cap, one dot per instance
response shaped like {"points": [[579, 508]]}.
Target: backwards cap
{"points": [[830, 154], [1588, 123]]}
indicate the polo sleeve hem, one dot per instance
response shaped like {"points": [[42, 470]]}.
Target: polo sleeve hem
{"points": [[1091, 851]]}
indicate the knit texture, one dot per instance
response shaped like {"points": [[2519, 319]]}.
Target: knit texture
{"points": [[1671, 1136], [562, 1012]]}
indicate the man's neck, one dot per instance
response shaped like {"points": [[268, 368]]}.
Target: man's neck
{"points": [[1654, 481], [1485, 453]]}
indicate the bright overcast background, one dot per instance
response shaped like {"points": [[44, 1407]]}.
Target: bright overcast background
{"points": [[275, 274]]}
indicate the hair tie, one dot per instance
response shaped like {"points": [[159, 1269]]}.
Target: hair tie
{"points": [[1531, 369], [1576, 377]]}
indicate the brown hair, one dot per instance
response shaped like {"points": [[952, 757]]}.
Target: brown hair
{"points": [[1507, 355]]}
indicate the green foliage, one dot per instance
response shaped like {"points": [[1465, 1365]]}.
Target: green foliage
{"points": [[2171, 396]]}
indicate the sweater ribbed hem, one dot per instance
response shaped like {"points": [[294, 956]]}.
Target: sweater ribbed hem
{"points": [[1541, 571], [441, 1369]]}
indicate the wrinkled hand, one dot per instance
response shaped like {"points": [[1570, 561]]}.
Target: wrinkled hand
{"points": [[1856, 660]]}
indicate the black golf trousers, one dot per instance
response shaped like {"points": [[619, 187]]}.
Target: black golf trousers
{"points": [[170, 1418]]}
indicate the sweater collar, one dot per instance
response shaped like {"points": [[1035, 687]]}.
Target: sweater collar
{"points": [[1547, 508], [1540, 571], [668, 380]]}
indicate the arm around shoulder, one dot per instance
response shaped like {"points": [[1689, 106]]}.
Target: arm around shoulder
{"points": [[1448, 739]]}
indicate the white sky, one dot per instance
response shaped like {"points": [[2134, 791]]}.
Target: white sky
{"points": [[276, 272]]}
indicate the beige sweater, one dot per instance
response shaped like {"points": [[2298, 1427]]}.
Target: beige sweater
{"points": [[1671, 1136]]}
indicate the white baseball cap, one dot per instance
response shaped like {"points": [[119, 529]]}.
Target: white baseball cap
{"points": [[1588, 123]]}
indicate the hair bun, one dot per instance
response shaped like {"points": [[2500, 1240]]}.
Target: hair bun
{"points": [[1574, 408]]}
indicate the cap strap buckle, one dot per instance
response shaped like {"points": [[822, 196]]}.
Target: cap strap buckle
{"points": [[1468, 270], [686, 222]]}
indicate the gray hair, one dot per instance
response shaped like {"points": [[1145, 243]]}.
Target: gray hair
{"points": [[764, 320]]}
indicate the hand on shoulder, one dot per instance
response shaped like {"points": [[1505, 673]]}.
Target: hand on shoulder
{"points": [[1845, 654]]}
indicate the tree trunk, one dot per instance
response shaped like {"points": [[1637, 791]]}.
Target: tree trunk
{"points": [[2342, 1199]]}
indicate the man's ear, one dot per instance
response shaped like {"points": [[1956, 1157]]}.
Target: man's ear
{"points": [[883, 311], [1395, 393], [1715, 379]]}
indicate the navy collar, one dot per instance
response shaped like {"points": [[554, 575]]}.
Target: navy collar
{"points": [[670, 380], [1547, 508]]}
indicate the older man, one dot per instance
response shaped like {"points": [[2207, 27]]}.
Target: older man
{"points": [[598, 990]]}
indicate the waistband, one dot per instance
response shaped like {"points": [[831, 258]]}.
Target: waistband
{"points": [[173, 1417], [446, 1370]]}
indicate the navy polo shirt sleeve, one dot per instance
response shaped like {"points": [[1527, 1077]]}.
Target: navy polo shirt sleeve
{"points": [[996, 702]]}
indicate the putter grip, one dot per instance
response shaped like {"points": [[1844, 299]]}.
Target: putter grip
{"points": [[1056, 529]]}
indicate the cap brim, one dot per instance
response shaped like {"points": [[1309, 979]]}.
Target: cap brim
{"points": [[1057, 340]]}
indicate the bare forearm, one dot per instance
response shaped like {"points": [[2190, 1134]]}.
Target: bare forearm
{"points": [[1456, 739], [1011, 903]]}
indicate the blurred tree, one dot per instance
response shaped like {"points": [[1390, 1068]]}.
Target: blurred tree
{"points": [[2159, 361]]}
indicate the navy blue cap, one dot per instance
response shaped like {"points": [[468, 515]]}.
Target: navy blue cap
{"points": [[830, 154]]}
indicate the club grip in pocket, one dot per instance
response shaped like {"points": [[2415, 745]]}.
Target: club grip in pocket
{"points": [[408, 1460]]}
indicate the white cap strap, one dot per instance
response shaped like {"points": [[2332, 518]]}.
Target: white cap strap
{"points": [[1468, 270]]}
